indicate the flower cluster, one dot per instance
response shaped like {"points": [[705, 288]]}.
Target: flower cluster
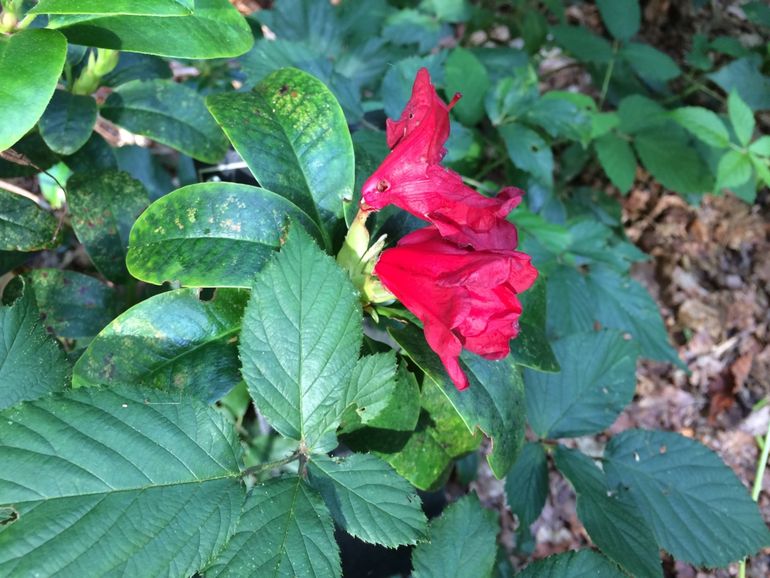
{"points": [[461, 274]]}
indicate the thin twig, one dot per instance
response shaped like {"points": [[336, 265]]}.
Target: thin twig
{"points": [[11, 188]]}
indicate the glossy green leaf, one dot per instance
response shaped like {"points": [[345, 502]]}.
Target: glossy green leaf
{"points": [[203, 29], [172, 341], [463, 542], [285, 531], [293, 135], [68, 121], [466, 74], [706, 519], [597, 380], [528, 151], [95, 155], [73, 305], [134, 66], [170, 113], [31, 62], [672, 160], [494, 402], [135, 481], [211, 235], [526, 488], [31, 363], [704, 124], [650, 63], [613, 522], [300, 340], [741, 117], [157, 8], [577, 563], [424, 452], [369, 500], [531, 347], [621, 17], [24, 226], [617, 159], [104, 205]]}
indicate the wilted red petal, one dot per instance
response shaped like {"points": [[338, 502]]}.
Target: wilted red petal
{"points": [[464, 297]]}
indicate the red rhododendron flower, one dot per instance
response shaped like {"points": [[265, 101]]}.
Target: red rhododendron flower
{"points": [[465, 298], [411, 178]]}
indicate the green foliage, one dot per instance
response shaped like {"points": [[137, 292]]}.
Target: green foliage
{"points": [[68, 121], [526, 489], [24, 226], [576, 563]]}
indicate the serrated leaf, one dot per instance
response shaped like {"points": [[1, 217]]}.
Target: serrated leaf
{"points": [[618, 161], [172, 341], [638, 113], [706, 519], [528, 151], [512, 95], [614, 524], [296, 141], [494, 402], [464, 73], [531, 347], [526, 488], [584, 44], [104, 205], [745, 76], [597, 380], [369, 500], [31, 62], [423, 453], [74, 305], [205, 29], [741, 117], [463, 542], [672, 160], [24, 226], [285, 531], [733, 170], [170, 113], [650, 63], [704, 124], [576, 564], [31, 363], [563, 114], [68, 121], [211, 235], [371, 386], [621, 17], [761, 146], [300, 339], [96, 461]]}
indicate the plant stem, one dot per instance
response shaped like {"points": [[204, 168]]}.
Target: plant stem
{"points": [[757, 487], [261, 468], [608, 75], [26, 21]]}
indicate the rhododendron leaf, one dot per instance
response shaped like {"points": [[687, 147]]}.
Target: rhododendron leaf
{"points": [[531, 347], [24, 226], [597, 380], [200, 29], [68, 121], [526, 488], [301, 335], [296, 142], [74, 305], [463, 542], [655, 470], [170, 113], [31, 62], [145, 482], [211, 235], [424, 452], [31, 362], [613, 522], [369, 500], [172, 341], [575, 563], [494, 402], [104, 206], [285, 531]]}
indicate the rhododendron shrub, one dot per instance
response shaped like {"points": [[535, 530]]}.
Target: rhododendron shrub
{"points": [[459, 276]]}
